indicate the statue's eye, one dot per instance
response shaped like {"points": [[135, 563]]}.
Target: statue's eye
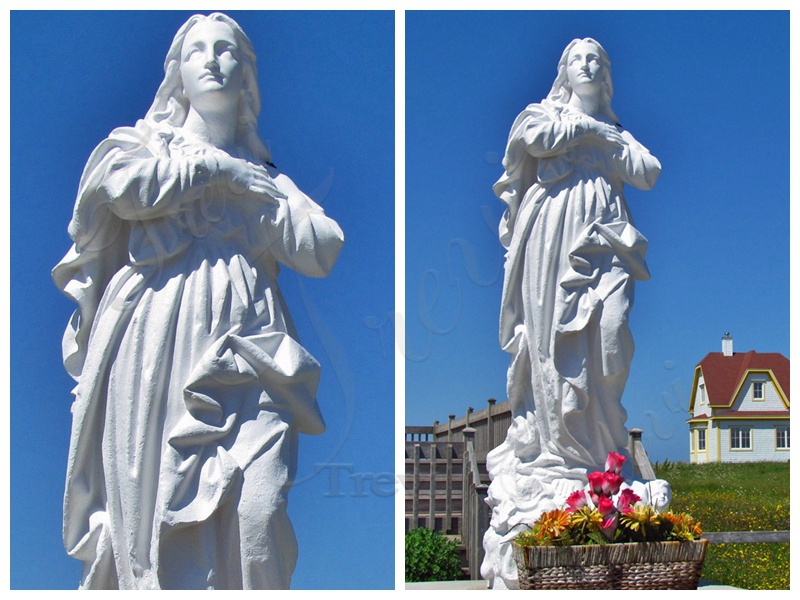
{"points": [[226, 47], [192, 52]]}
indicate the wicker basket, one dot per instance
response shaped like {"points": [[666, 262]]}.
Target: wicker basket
{"points": [[635, 566]]}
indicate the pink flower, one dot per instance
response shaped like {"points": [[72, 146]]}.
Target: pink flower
{"points": [[626, 498], [605, 506], [596, 482], [609, 525], [608, 511], [614, 462], [610, 483], [576, 500]]}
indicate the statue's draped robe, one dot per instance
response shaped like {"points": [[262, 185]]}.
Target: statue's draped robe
{"points": [[191, 384], [573, 254]]}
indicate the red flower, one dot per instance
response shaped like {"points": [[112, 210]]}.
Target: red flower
{"points": [[614, 462], [605, 506], [609, 525], [596, 482], [576, 500], [610, 483], [626, 498], [608, 511]]}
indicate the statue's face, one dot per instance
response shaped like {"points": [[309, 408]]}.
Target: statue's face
{"points": [[211, 70], [584, 70]]}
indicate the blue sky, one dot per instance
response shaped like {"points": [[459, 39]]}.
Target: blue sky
{"points": [[706, 92], [327, 87]]}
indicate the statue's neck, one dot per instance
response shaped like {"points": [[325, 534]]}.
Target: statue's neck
{"points": [[215, 129], [590, 105]]}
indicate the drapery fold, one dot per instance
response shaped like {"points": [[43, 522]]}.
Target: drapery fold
{"points": [[191, 383]]}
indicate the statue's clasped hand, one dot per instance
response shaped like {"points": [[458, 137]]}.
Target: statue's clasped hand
{"points": [[246, 177], [605, 132]]}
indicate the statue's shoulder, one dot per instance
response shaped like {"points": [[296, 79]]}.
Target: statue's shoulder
{"points": [[546, 109], [140, 138], [537, 112]]}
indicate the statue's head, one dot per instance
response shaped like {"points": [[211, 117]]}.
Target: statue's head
{"points": [[660, 494], [562, 89], [234, 83]]}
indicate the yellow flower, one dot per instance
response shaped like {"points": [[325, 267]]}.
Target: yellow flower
{"points": [[639, 518], [684, 526]]}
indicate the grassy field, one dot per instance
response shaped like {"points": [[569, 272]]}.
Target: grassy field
{"points": [[736, 497]]}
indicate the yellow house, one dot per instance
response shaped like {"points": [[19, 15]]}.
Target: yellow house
{"points": [[739, 407]]}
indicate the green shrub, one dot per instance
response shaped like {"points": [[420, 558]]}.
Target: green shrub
{"points": [[431, 557]]}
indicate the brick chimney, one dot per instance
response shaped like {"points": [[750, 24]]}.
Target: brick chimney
{"points": [[727, 344]]}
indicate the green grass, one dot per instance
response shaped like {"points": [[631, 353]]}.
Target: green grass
{"points": [[736, 497]]}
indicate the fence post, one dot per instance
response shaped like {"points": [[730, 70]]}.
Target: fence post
{"points": [[490, 425], [415, 500], [448, 509], [468, 500], [641, 462], [432, 484]]}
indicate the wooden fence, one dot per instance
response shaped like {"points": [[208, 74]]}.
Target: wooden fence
{"points": [[746, 537], [490, 426], [438, 456], [475, 517]]}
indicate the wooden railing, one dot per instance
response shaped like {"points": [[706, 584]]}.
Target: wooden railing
{"points": [[746, 537], [416, 433], [490, 425], [433, 477], [475, 518]]}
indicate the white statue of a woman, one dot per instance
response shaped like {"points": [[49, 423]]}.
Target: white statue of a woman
{"points": [[191, 384], [573, 255]]}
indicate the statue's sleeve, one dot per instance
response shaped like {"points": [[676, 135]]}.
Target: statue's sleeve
{"points": [[544, 135], [300, 235], [636, 165], [138, 185]]}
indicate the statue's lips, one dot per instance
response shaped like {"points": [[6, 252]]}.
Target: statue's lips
{"points": [[211, 76]]}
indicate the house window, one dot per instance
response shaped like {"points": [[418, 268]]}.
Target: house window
{"points": [[782, 437], [740, 438], [758, 390], [701, 439], [702, 393]]}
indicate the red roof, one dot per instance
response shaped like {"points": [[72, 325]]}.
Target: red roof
{"points": [[723, 374]]}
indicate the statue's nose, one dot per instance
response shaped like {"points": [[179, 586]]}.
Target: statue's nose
{"points": [[211, 58]]}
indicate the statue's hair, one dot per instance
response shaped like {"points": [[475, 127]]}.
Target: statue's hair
{"points": [[171, 106], [561, 90]]}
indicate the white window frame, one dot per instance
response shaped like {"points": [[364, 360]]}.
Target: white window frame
{"points": [[762, 386], [782, 431], [739, 434], [701, 439]]}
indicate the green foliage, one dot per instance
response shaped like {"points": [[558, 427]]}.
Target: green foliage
{"points": [[736, 497], [430, 556]]}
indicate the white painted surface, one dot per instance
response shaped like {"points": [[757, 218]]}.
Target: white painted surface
{"points": [[191, 385], [573, 256]]}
